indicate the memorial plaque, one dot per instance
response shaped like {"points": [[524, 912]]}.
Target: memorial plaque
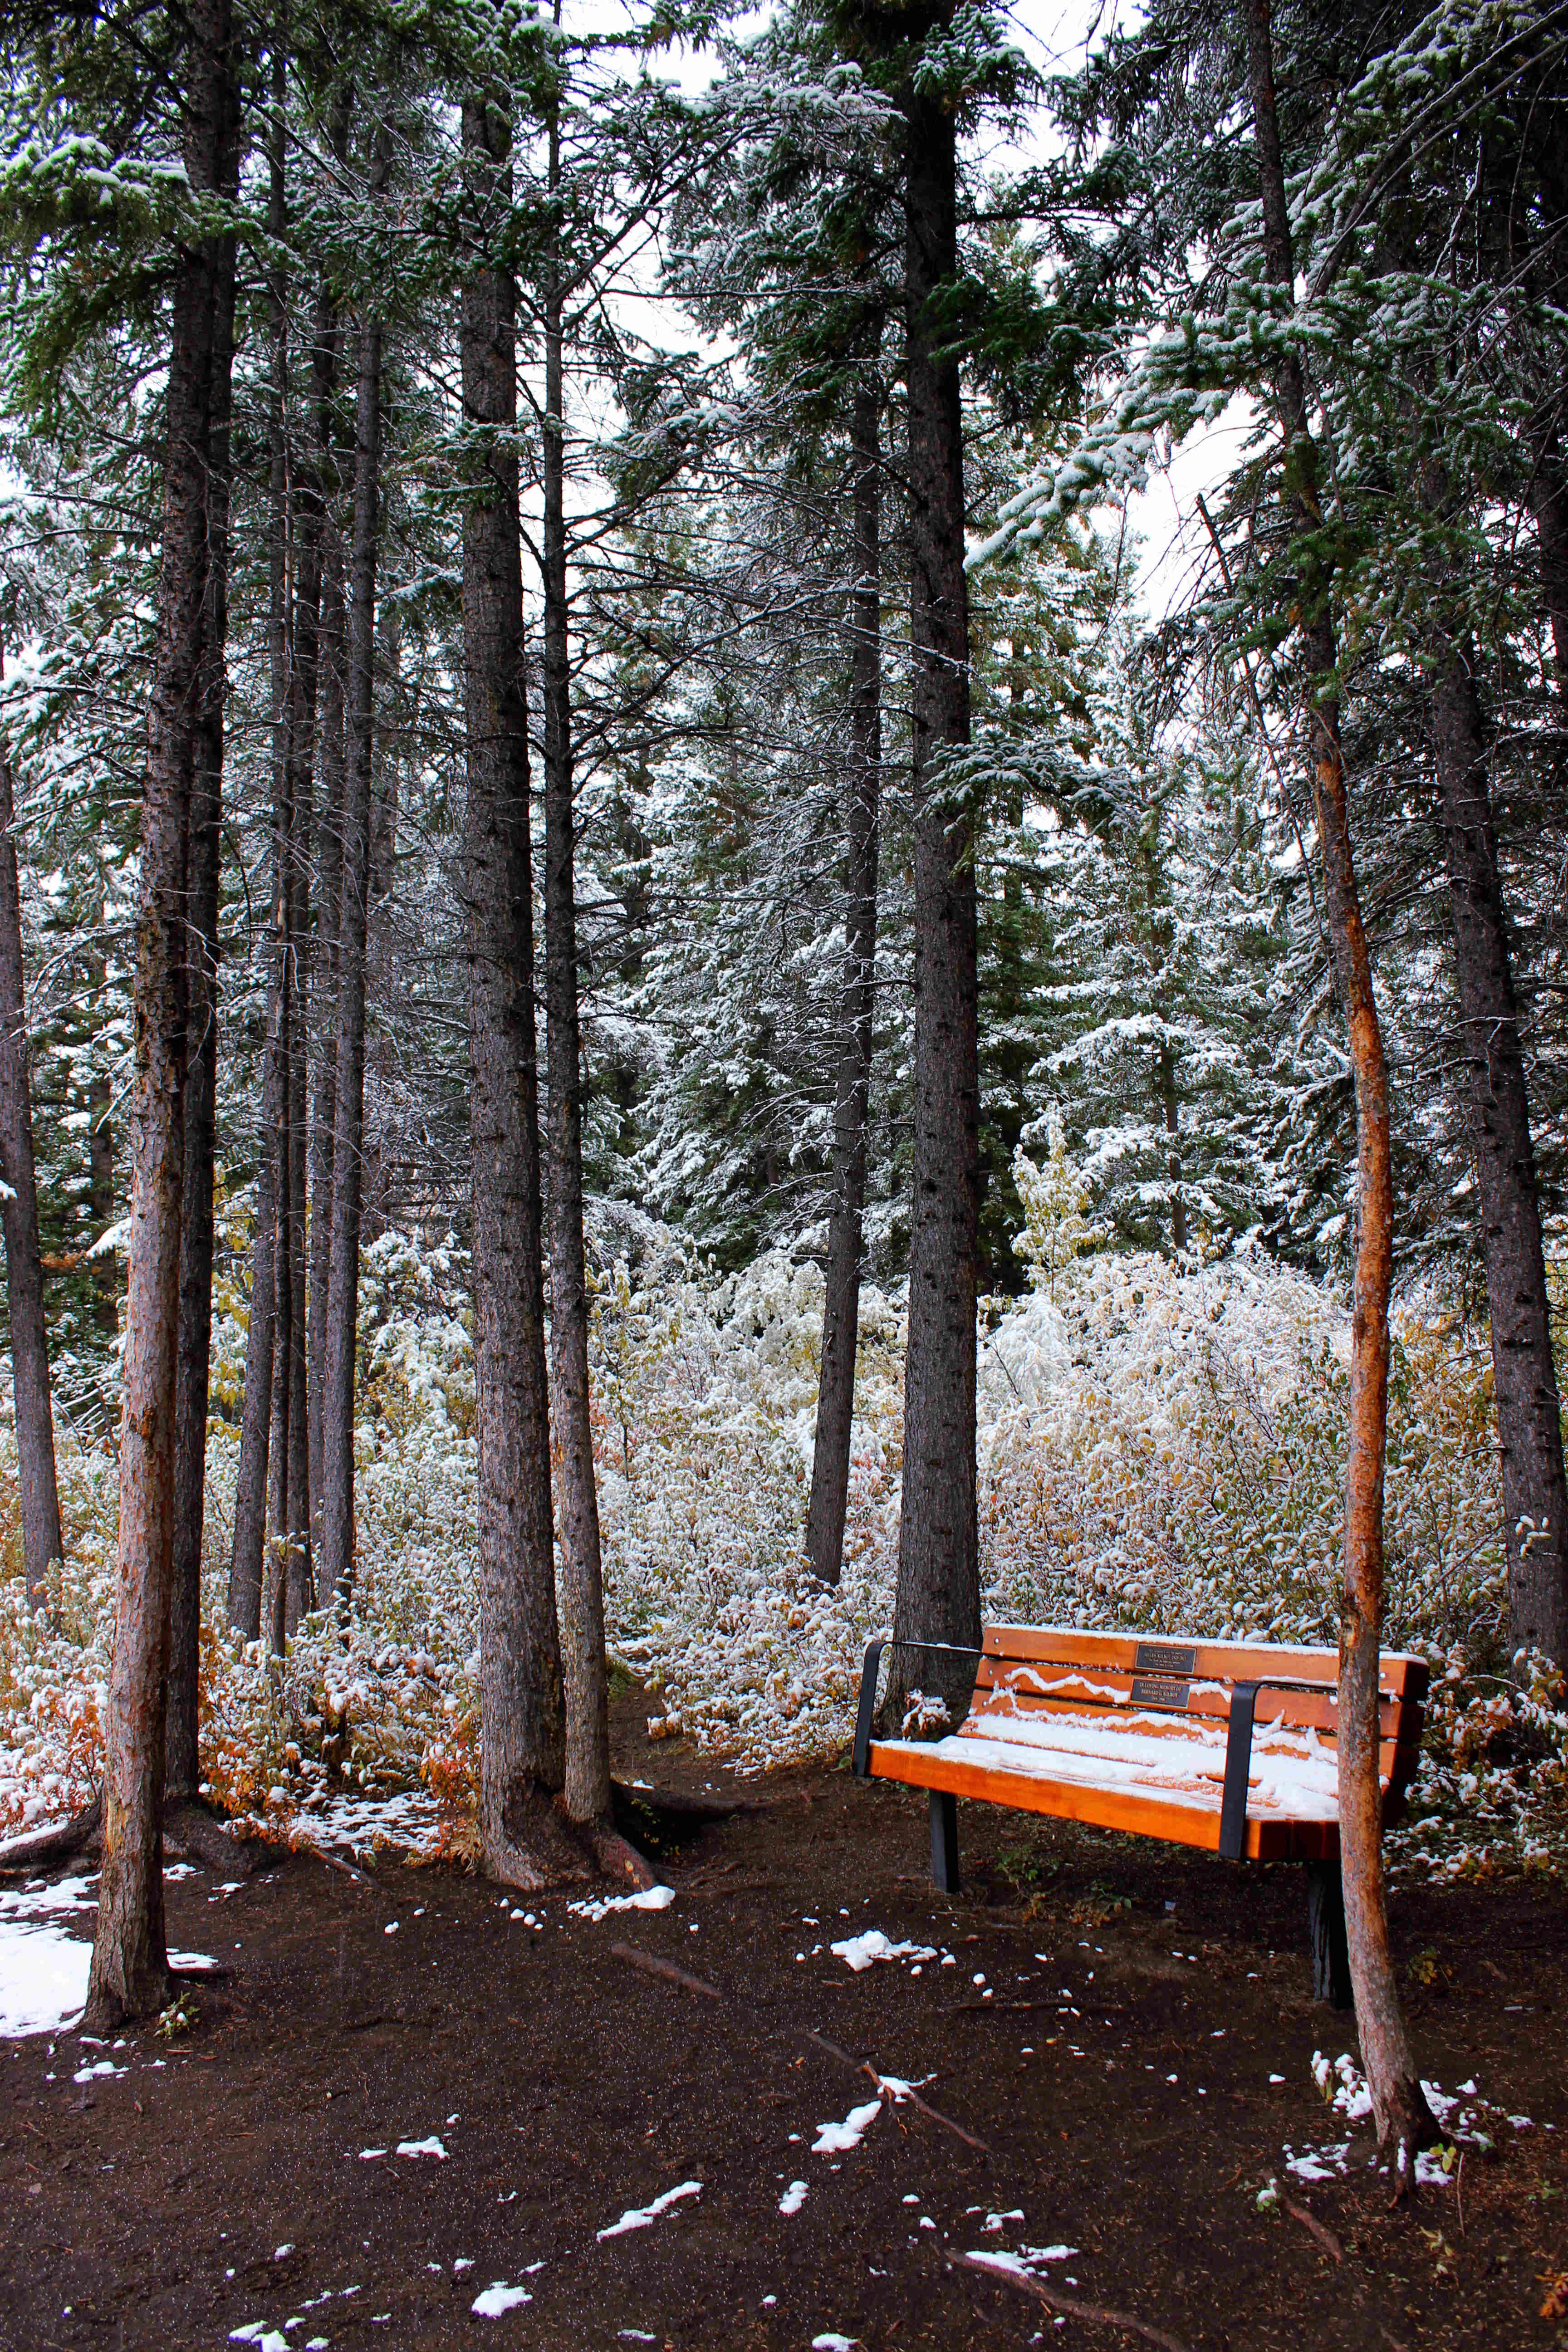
{"points": [[1164, 1658], [1160, 1690]]}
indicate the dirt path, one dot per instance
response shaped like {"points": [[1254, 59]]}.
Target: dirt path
{"points": [[220, 2183]]}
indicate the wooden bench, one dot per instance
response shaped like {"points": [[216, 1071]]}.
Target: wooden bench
{"points": [[1224, 1745]]}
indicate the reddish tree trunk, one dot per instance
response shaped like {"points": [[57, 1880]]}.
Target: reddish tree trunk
{"points": [[845, 1240], [938, 1597], [1404, 2119], [130, 1972], [522, 1750]]}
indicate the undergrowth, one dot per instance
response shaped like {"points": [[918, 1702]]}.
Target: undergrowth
{"points": [[1158, 1450]]}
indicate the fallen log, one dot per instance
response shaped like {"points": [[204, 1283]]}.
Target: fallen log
{"points": [[56, 1844]]}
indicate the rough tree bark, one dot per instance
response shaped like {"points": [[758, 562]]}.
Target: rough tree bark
{"points": [[1550, 506], [101, 1191], [328, 870], [1524, 1377], [247, 1564], [343, 1297], [41, 1544], [324, 1104], [130, 1971], [195, 1347], [1165, 1086], [522, 1736], [841, 1303], [309, 567], [580, 1580], [1403, 2120], [938, 1597]]}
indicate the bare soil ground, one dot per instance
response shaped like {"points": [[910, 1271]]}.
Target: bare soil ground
{"points": [[172, 2204]]}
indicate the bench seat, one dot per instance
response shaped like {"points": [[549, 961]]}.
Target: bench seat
{"points": [[1223, 1746]]}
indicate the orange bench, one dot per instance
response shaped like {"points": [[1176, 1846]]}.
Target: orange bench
{"points": [[1225, 1745]]}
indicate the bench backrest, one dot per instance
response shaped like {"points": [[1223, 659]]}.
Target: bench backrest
{"points": [[1026, 1668]]}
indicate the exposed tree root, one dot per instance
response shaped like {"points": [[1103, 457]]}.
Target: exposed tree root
{"points": [[1314, 2228], [684, 1808], [652, 1966], [54, 1844], [189, 1827], [617, 1858], [1069, 2307]]}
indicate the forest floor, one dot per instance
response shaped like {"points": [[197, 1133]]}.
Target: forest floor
{"points": [[225, 2187]]}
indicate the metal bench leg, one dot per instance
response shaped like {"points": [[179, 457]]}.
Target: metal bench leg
{"points": [[944, 1841], [1326, 1919]]}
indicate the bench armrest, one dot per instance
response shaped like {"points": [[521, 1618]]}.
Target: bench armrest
{"points": [[867, 1709], [1237, 1764], [864, 1714]]}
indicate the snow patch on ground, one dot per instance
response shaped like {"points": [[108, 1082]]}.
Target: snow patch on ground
{"points": [[859, 1952], [431, 2147], [793, 2197], [652, 1898], [498, 2299], [43, 1966], [642, 2217], [837, 2139]]}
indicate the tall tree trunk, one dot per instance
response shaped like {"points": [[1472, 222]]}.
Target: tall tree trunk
{"points": [[1550, 506], [298, 1581], [1404, 2119], [276, 1575], [194, 1346], [328, 871], [343, 1297], [581, 1582], [1524, 1377], [248, 1561], [323, 1106], [41, 1544], [522, 1746], [1166, 1077], [100, 1195], [129, 1970], [938, 1597], [846, 1239]]}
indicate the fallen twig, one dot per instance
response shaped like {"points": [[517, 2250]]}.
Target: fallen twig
{"points": [[1005, 2274], [652, 1966], [1310, 2222], [925, 2107], [1459, 2189]]}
